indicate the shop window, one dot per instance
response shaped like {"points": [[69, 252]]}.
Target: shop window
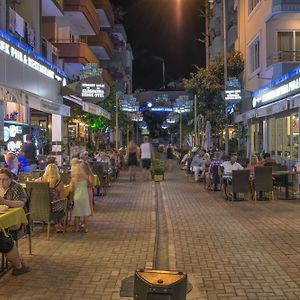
{"points": [[254, 51], [286, 135], [255, 138], [295, 136], [279, 140], [272, 139], [15, 112]]}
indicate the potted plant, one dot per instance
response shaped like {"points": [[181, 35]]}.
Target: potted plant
{"points": [[158, 170]]}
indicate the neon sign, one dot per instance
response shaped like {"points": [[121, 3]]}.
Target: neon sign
{"points": [[10, 46]]}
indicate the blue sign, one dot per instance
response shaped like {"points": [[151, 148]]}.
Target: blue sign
{"points": [[26, 55], [161, 109]]}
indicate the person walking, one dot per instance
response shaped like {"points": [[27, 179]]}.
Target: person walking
{"points": [[79, 187], [146, 153], [132, 159], [28, 151]]}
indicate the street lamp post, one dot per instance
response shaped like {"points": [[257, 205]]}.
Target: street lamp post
{"points": [[117, 121], [195, 120], [225, 72], [180, 132]]}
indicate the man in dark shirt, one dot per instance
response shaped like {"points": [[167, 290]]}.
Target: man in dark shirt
{"points": [[29, 152]]}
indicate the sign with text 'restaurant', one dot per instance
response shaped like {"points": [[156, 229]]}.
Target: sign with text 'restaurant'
{"points": [[21, 52]]}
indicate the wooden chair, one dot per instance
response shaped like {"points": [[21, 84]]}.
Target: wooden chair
{"points": [[263, 181], [40, 204], [240, 183]]}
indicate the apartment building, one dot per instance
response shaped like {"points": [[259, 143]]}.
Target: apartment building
{"points": [[31, 74], [269, 38], [87, 34], [216, 27]]}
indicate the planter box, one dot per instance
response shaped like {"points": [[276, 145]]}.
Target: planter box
{"points": [[158, 178]]}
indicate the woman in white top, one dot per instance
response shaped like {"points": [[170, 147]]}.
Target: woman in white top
{"points": [[146, 151]]}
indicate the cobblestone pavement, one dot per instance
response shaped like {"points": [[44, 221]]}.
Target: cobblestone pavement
{"points": [[230, 250], [91, 265]]}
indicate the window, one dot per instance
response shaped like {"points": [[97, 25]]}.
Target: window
{"points": [[252, 5], [254, 51], [288, 46]]}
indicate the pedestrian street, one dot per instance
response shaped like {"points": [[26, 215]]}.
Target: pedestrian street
{"points": [[229, 249]]}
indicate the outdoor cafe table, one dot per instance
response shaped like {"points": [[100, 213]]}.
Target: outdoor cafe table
{"points": [[286, 175], [12, 217]]}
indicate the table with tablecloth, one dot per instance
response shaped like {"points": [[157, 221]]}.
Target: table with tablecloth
{"points": [[12, 217]]}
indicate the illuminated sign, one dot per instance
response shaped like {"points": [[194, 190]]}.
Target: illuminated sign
{"points": [[21, 52], [233, 95], [93, 89], [282, 87], [161, 109]]}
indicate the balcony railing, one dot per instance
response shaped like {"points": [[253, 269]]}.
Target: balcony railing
{"points": [[75, 51], [286, 6], [283, 56]]}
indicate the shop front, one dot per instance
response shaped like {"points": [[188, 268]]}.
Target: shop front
{"points": [[29, 83], [273, 122]]}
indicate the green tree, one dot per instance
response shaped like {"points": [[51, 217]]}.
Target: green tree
{"points": [[208, 85], [98, 124]]}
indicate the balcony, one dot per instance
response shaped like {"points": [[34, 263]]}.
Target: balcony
{"points": [[285, 6], [101, 45], [105, 13], [82, 16], [283, 61], [75, 54], [52, 8]]}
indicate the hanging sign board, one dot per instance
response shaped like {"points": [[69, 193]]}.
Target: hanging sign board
{"points": [[93, 89]]}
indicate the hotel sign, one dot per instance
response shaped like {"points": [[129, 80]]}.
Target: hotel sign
{"points": [[233, 95], [21, 52], [93, 89], [285, 86]]}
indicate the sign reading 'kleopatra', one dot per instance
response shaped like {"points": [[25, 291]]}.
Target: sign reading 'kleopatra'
{"points": [[93, 89]]}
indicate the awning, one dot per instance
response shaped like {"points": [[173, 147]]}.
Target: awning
{"points": [[89, 107], [33, 101], [272, 108]]}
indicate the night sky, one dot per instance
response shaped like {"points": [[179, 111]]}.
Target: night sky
{"points": [[167, 29]]}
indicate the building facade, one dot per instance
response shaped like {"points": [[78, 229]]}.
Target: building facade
{"points": [[31, 75], [269, 39]]}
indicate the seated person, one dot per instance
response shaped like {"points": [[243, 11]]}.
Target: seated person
{"points": [[197, 164], [51, 160], [227, 167], [216, 161], [12, 163], [12, 195], [254, 162], [268, 161], [56, 188]]}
